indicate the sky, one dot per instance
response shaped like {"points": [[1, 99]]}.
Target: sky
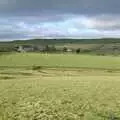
{"points": [[27, 19]]}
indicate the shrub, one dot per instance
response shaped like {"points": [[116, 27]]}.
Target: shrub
{"points": [[36, 67]]}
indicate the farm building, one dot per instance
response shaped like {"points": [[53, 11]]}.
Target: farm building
{"points": [[30, 48]]}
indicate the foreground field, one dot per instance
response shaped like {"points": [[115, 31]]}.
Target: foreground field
{"points": [[81, 90], [59, 94]]}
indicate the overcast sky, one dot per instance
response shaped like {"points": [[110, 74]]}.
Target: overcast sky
{"points": [[24, 19]]}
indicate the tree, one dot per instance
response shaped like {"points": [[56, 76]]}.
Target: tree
{"points": [[52, 48], [64, 49], [78, 50], [46, 48]]}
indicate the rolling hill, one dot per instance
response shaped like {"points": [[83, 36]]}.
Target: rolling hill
{"points": [[99, 46]]}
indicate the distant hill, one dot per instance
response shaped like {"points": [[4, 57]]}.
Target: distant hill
{"points": [[62, 41], [103, 45]]}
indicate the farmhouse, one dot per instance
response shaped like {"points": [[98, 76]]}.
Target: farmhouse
{"points": [[69, 50], [30, 48]]}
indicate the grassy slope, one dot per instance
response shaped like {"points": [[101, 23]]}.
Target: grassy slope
{"points": [[63, 41], [60, 41], [60, 60]]}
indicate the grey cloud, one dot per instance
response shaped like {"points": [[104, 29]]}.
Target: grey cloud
{"points": [[36, 7], [105, 22], [67, 26]]}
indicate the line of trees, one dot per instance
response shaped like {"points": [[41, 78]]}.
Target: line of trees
{"points": [[55, 49]]}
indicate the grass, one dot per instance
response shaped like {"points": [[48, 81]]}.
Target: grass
{"points": [[60, 60], [71, 91]]}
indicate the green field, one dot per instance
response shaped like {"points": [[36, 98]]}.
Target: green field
{"points": [[59, 87], [60, 60]]}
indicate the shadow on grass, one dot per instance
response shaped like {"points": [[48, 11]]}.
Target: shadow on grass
{"points": [[16, 73], [6, 77]]}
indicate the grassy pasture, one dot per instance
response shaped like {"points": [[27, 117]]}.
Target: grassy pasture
{"points": [[60, 60], [71, 87], [74, 46]]}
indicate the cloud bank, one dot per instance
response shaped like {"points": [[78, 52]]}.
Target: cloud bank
{"points": [[79, 26], [24, 19]]}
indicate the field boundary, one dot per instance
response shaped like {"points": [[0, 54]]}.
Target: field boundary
{"points": [[59, 67]]}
